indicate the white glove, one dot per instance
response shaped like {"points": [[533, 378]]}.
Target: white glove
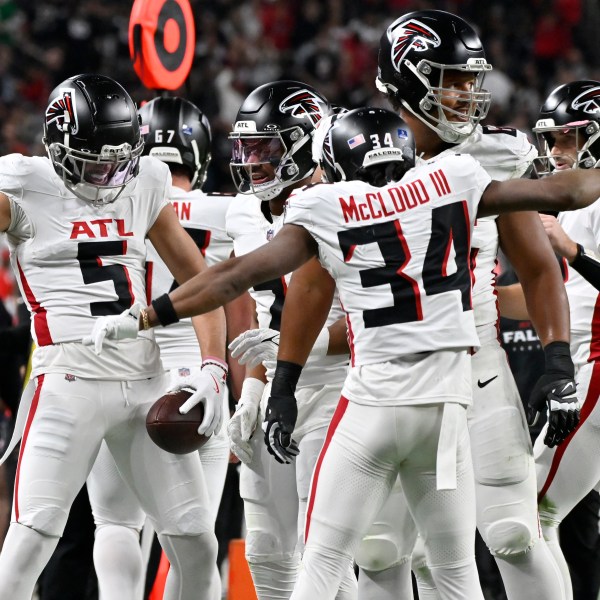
{"points": [[245, 419], [255, 346], [118, 327], [209, 388]]}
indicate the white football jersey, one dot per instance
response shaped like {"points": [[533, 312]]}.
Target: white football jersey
{"points": [[76, 262], [400, 256], [250, 228], [203, 217], [583, 226], [505, 153]]}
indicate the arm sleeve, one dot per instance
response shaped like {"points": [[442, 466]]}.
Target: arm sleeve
{"points": [[587, 264]]}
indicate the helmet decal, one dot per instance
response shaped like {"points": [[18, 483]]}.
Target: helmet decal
{"points": [[62, 111], [588, 101], [413, 35], [303, 103]]}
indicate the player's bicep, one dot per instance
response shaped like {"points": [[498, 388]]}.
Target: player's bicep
{"points": [[175, 246]]}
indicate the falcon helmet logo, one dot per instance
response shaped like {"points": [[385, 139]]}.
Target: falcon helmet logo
{"points": [[413, 35], [588, 102], [303, 104], [62, 112]]}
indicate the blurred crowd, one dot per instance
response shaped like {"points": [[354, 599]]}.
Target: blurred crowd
{"points": [[533, 45]]}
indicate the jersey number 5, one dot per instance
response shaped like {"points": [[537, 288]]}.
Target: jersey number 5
{"points": [[449, 228], [89, 256]]}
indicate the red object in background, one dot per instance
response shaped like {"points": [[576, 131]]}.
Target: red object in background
{"points": [[162, 40]]}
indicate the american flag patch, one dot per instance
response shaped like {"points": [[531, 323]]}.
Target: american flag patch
{"points": [[356, 141], [144, 129]]}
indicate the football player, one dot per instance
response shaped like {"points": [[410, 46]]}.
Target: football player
{"points": [[176, 132], [399, 398], [271, 157], [568, 131], [77, 222], [431, 67]]}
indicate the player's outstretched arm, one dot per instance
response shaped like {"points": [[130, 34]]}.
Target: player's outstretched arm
{"points": [[220, 284], [567, 190]]}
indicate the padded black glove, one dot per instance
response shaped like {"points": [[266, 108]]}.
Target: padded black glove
{"points": [[282, 412], [555, 390]]}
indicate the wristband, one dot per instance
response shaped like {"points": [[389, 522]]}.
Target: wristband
{"points": [[252, 391], [217, 362], [286, 377], [165, 311], [558, 359], [587, 264]]}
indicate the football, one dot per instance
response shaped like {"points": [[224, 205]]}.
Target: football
{"points": [[172, 431]]}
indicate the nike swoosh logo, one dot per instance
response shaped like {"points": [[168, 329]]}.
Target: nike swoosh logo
{"points": [[217, 384], [482, 384]]}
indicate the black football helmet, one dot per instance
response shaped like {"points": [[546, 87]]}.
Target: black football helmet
{"points": [[415, 52], [572, 107], [364, 137], [274, 126], [92, 136], [177, 131]]}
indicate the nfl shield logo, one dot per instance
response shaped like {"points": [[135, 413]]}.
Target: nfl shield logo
{"points": [[270, 235], [184, 372]]}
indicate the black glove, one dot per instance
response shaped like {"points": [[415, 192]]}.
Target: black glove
{"points": [[282, 412], [556, 391]]}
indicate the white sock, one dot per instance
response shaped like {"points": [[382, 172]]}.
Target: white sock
{"points": [[393, 583], [24, 555], [275, 580], [118, 562]]}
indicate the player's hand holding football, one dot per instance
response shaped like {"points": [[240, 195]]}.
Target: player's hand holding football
{"points": [[282, 412], [116, 327], [556, 391], [243, 423], [208, 387]]}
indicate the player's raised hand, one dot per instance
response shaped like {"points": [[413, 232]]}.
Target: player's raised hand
{"points": [[255, 346], [117, 327], [556, 391], [209, 388]]}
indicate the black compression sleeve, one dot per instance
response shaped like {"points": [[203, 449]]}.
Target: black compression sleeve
{"points": [[588, 266]]}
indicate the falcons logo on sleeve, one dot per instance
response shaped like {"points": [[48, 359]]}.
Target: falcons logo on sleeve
{"points": [[413, 35], [62, 112], [588, 102], [303, 104]]}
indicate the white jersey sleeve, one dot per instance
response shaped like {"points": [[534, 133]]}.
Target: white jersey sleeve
{"points": [[583, 226], [75, 261], [203, 217], [250, 227], [400, 256]]}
